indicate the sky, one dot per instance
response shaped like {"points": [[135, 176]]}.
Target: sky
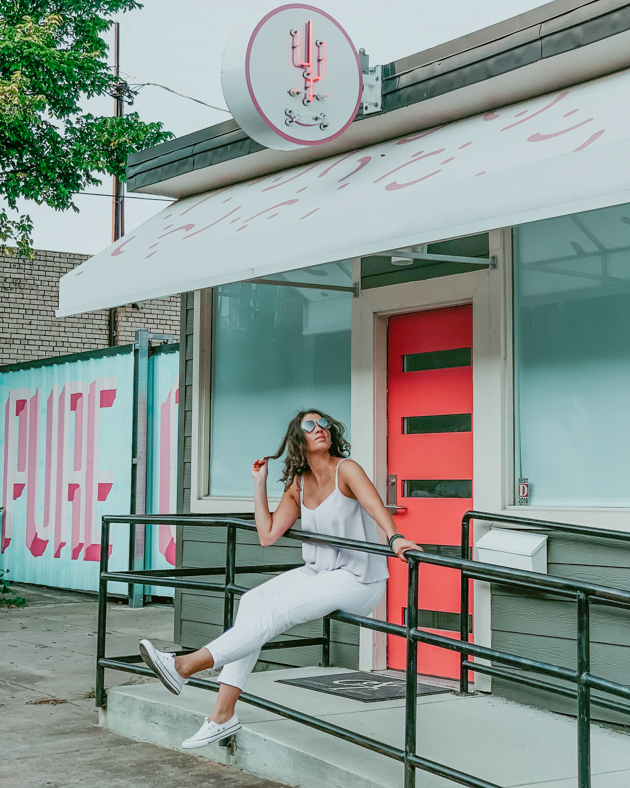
{"points": [[180, 43]]}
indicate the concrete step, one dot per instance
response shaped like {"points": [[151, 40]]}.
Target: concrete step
{"points": [[500, 741]]}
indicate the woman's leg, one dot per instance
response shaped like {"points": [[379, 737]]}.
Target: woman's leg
{"points": [[235, 674], [189, 664], [298, 598], [226, 703], [289, 599]]}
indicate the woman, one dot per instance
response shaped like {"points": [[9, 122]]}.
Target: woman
{"points": [[332, 495]]}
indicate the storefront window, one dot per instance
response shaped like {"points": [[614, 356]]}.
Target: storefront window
{"points": [[276, 350], [572, 358]]}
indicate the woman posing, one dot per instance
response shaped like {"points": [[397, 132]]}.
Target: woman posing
{"points": [[333, 496]]}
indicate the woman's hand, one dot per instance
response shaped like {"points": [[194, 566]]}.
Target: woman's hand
{"points": [[260, 469], [271, 527], [400, 546]]}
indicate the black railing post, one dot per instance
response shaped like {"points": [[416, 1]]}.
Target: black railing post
{"points": [[583, 691], [464, 629], [102, 615], [326, 644], [230, 576], [411, 685], [464, 607], [465, 536]]}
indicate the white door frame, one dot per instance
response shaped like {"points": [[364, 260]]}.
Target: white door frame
{"points": [[489, 292]]}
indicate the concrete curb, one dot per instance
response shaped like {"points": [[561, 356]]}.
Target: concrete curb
{"points": [[138, 713]]}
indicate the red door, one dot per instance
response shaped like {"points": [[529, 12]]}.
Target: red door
{"points": [[430, 454]]}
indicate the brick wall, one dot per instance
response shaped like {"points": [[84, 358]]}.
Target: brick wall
{"points": [[160, 317], [29, 296]]}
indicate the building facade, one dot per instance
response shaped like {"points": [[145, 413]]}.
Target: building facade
{"points": [[29, 329], [459, 300]]}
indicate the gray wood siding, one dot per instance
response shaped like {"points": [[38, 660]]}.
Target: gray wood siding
{"points": [[199, 615], [184, 433], [544, 627]]}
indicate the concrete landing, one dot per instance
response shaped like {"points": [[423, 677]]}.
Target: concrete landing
{"points": [[491, 738]]}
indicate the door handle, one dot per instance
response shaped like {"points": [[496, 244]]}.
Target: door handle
{"points": [[391, 505]]}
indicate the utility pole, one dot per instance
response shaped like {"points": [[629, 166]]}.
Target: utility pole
{"points": [[118, 204]]}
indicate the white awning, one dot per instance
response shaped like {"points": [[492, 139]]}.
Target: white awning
{"points": [[550, 156]]}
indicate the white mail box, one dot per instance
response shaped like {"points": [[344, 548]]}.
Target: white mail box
{"points": [[516, 549]]}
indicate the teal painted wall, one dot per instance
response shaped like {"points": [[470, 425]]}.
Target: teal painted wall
{"points": [[65, 461]]}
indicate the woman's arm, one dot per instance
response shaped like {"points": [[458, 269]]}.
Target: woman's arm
{"points": [[271, 527], [353, 477]]}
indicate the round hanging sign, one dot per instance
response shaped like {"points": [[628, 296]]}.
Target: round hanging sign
{"points": [[292, 77]]}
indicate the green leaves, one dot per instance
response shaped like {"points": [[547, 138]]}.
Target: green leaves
{"points": [[53, 56], [19, 231], [7, 595]]}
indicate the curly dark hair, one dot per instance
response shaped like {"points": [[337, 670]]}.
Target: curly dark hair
{"points": [[295, 445]]}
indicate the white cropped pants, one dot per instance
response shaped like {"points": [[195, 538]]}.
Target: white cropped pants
{"points": [[289, 599]]}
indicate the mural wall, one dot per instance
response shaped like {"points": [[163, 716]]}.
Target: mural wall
{"points": [[65, 460], [162, 453]]}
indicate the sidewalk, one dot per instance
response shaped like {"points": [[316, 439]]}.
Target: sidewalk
{"points": [[500, 741], [49, 732], [50, 737]]}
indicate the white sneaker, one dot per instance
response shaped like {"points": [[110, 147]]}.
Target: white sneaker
{"points": [[163, 665], [212, 731]]}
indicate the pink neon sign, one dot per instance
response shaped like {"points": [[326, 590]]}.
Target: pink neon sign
{"points": [[312, 73], [258, 77]]}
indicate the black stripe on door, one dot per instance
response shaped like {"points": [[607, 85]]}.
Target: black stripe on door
{"points": [[437, 359], [437, 488], [451, 422], [438, 619], [447, 550]]}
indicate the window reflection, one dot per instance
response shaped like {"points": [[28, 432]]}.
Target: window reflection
{"points": [[275, 350], [572, 358]]}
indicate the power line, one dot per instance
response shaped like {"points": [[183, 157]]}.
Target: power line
{"points": [[127, 196], [126, 86], [183, 95]]}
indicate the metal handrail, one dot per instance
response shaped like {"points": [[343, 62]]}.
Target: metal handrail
{"points": [[583, 592], [532, 525]]}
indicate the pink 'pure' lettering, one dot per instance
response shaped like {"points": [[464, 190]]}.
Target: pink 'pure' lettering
{"points": [[168, 443], [73, 480]]}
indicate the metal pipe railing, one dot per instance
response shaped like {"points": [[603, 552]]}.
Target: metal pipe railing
{"points": [[536, 525], [584, 593]]}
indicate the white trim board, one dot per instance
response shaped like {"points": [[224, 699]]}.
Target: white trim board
{"points": [[488, 292]]}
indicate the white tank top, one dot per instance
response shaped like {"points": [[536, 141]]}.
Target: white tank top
{"points": [[343, 517]]}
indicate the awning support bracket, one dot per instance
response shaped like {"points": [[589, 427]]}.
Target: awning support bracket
{"points": [[308, 285], [420, 253]]}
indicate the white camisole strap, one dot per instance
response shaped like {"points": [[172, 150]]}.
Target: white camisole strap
{"points": [[344, 517], [336, 480], [337, 473]]}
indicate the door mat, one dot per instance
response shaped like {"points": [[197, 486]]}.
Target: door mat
{"points": [[366, 687]]}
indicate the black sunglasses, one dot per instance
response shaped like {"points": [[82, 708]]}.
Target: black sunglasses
{"points": [[310, 424]]}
